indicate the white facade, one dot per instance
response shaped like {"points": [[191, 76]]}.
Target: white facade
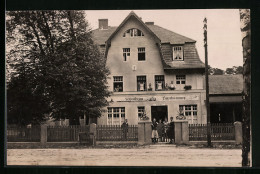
{"points": [[140, 82]]}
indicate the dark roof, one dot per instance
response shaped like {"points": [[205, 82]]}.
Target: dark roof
{"points": [[166, 36], [225, 84], [100, 36], [191, 57]]}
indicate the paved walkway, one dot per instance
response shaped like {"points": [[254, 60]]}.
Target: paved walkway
{"points": [[154, 155]]}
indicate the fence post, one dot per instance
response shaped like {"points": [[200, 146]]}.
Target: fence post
{"points": [[181, 129], [93, 130], [185, 132], [144, 132], [43, 134], [238, 132]]}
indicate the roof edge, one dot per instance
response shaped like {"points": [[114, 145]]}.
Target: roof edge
{"points": [[132, 13]]}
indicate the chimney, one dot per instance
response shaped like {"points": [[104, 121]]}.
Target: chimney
{"points": [[103, 24], [149, 23]]}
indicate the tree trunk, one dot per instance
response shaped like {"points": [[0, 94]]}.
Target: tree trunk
{"points": [[246, 43]]}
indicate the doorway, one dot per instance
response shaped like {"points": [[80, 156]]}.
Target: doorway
{"points": [[159, 112]]}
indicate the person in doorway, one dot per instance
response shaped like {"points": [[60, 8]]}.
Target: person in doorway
{"points": [[165, 127], [154, 131], [125, 129], [170, 132], [160, 129]]}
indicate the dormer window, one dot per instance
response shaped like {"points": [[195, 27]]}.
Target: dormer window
{"points": [[133, 32], [177, 53]]}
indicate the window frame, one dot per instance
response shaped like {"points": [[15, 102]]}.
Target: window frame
{"points": [[138, 83], [111, 119], [140, 112], [126, 54], [175, 50], [130, 33], [158, 80], [141, 51], [179, 80], [191, 112], [116, 82]]}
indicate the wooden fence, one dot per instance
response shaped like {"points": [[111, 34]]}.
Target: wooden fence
{"points": [[65, 133], [23, 134], [219, 131], [116, 133]]}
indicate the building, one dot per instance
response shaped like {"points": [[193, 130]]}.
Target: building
{"points": [[153, 71], [225, 98]]}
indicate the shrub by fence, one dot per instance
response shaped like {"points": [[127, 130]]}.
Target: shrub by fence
{"points": [[65, 133], [23, 134], [219, 131], [116, 133]]}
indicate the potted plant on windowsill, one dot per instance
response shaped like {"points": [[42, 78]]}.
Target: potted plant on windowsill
{"points": [[171, 87], [180, 115], [144, 116], [187, 87]]}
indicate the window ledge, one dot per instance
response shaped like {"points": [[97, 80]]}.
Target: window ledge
{"points": [[176, 91]]}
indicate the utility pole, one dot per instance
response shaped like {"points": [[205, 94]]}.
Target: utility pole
{"points": [[207, 82]]}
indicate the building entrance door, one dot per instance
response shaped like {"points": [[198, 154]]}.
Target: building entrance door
{"points": [[159, 112]]}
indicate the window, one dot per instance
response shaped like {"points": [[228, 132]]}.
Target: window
{"points": [[118, 83], [141, 110], [180, 79], [159, 82], [141, 83], [177, 53], [115, 115], [191, 112], [134, 32], [141, 54], [126, 53]]}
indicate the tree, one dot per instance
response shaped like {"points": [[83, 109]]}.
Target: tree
{"points": [[230, 71], [217, 71], [54, 51], [234, 70], [246, 116], [239, 70]]}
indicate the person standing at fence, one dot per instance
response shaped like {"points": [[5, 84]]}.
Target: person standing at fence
{"points": [[154, 131], [125, 129], [171, 132], [160, 129]]}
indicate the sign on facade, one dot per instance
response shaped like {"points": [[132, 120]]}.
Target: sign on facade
{"points": [[155, 98]]}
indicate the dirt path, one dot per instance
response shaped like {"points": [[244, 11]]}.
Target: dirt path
{"points": [[148, 156]]}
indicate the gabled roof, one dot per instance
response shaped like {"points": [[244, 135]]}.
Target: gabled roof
{"points": [[164, 39], [225, 84], [131, 14]]}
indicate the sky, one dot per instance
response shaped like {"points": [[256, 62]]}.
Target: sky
{"points": [[224, 35]]}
